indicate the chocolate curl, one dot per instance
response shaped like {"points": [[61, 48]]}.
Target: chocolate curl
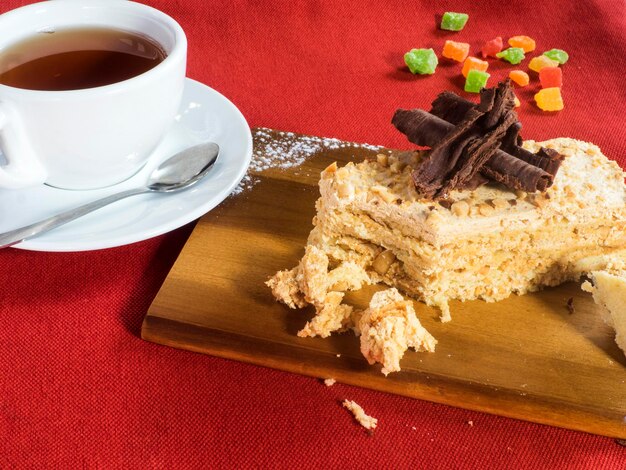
{"points": [[549, 160], [425, 129], [517, 174], [441, 164], [452, 108]]}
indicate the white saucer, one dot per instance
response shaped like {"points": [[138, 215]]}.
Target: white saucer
{"points": [[204, 115]]}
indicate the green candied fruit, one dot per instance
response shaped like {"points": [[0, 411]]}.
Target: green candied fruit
{"points": [[422, 61], [513, 55], [454, 21], [476, 80], [557, 54]]}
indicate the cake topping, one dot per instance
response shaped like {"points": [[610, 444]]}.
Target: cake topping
{"points": [[474, 143]]}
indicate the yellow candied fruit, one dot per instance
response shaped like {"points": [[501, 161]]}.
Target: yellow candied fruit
{"points": [[549, 99], [539, 62], [517, 102]]}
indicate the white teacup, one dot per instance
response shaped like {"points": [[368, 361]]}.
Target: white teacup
{"points": [[96, 137]]}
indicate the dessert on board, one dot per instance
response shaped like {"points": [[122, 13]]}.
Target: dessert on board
{"points": [[480, 215]]}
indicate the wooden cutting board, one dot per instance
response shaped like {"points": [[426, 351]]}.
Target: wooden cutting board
{"points": [[525, 357]]}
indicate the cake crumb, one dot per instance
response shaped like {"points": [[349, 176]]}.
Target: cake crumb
{"points": [[471, 423], [329, 382], [368, 422], [570, 305], [338, 355]]}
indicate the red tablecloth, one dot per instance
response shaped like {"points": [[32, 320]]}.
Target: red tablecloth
{"points": [[79, 388]]}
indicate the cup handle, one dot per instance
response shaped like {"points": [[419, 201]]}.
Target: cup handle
{"points": [[22, 168]]}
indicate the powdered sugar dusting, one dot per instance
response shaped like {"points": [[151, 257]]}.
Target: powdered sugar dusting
{"points": [[290, 151]]}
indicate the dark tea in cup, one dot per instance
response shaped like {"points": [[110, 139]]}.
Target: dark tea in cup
{"points": [[78, 58]]}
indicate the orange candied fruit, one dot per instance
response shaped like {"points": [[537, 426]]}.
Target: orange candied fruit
{"points": [[456, 50], [526, 43], [539, 62], [549, 99], [473, 63], [519, 77]]}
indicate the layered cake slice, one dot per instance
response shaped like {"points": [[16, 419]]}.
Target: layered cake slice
{"points": [[478, 216], [485, 243]]}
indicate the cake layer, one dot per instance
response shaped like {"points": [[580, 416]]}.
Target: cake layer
{"points": [[556, 236], [492, 277]]}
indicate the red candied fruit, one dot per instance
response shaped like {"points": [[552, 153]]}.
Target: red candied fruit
{"points": [[551, 77], [491, 48]]}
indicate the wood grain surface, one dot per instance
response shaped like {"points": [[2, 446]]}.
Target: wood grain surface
{"points": [[526, 357]]}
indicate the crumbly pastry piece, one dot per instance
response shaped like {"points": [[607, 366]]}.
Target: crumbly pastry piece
{"points": [[331, 315], [388, 328], [368, 422], [286, 289], [609, 292], [314, 282], [330, 382]]}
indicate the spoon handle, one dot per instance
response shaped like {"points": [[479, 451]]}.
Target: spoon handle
{"points": [[18, 235]]}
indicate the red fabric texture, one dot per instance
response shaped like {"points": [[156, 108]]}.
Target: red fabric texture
{"points": [[79, 388]]}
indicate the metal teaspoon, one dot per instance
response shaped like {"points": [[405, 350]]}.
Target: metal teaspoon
{"points": [[176, 173]]}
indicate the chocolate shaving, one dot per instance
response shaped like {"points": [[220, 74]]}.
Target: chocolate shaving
{"points": [[474, 142], [452, 108]]}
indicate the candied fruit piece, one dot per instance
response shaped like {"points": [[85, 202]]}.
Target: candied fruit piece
{"points": [[513, 55], [541, 61], [421, 61], [455, 50], [523, 42], [476, 80], [472, 63], [453, 21], [549, 99], [520, 77], [491, 48], [516, 101], [551, 77], [557, 54]]}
